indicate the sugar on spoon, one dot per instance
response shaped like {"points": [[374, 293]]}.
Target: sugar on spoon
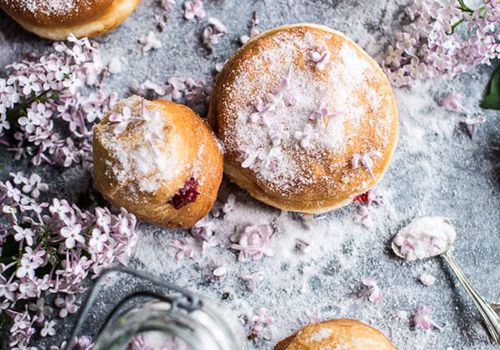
{"points": [[427, 237]]}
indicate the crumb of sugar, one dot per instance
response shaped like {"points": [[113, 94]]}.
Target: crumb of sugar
{"points": [[427, 279], [320, 335]]}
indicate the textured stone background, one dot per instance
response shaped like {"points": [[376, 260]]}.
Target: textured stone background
{"points": [[437, 170]]}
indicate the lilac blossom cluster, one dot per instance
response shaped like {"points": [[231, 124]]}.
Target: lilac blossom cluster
{"points": [[43, 113], [47, 251], [444, 37]]}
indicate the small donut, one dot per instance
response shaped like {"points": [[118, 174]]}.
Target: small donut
{"points": [[339, 334], [157, 159], [57, 19], [308, 120]]}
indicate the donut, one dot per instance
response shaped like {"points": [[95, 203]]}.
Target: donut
{"points": [[57, 19], [157, 159], [339, 334], [308, 120]]}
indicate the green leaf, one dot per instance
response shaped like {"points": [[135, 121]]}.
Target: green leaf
{"points": [[492, 98]]}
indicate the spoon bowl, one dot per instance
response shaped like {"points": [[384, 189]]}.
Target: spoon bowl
{"points": [[490, 313]]}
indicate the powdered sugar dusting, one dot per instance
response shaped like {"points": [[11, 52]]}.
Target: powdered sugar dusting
{"points": [[300, 98], [48, 7], [425, 237], [320, 335], [142, 158]]}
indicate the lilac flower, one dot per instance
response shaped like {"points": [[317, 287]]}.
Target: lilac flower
{"points": [[82, 343], [7, 288], [40, 310], [178, 87], [194, 10], [253, 29], [432, 44], [66, 305], [36, 116], [48, 89], [253, 279], [454, 102], [372, 292], [223, 208], [151, 86], [322, 114], [168, 5], [122, 120], [23, 234], [34, 186], [65, 230], [149, 42], [472, 123], [204, 229], [48, 329], [365, 160], [213, 33], [220, 272], [422, 318], [258, 323], [321, 58], [304, 136], [30, 84], [253, 242], [72, 235], [364, 216], [278, 134], [186, 247]]}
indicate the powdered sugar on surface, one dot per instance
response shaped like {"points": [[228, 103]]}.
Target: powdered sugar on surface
{"points": [[437, 170], [49, 7]]}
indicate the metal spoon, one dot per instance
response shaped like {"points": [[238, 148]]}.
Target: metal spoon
{"points": [[491, 318]]}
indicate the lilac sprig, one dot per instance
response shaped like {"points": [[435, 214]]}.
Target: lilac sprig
{"points": [[444, 38], [48, 250], [44, 115]]}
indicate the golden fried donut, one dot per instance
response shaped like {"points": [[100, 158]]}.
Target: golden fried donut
{"points": [[57, 19], [308, 119], [339, 334], [157, 159]]}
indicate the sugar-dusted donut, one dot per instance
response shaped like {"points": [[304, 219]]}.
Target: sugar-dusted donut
{"points": [[339, 334], [57, 19], [307, 118], [157, 159]]}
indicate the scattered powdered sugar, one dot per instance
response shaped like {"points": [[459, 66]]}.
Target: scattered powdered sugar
{"points": [[434, 170], [425, 237], [134, 136], [427, 279]]}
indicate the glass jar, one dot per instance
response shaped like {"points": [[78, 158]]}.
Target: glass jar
{"points": [[151, 314]]}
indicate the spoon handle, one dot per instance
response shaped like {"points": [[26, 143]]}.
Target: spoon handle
{"points": [[491, 318]]}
